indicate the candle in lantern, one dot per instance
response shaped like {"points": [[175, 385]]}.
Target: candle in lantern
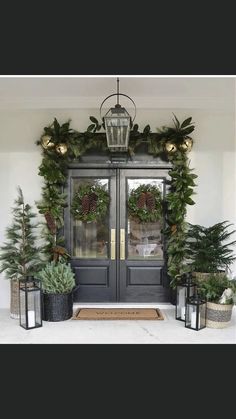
{"points": [[194, 320], [31, 318], [183, 313]]}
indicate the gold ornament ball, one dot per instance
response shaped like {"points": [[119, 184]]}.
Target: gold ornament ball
{"points": [[170, 147], [186, 145], [61, 149], [46, 142]]}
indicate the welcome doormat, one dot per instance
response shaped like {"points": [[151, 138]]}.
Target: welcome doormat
{"points": [[118, 314]]}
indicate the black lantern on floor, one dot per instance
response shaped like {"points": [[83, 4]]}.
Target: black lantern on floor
{"points": [[30, 303], [195, 313], [117, 123], [184, 290]]}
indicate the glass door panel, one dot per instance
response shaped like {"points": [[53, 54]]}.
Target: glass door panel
{"points": [[91, 239], [144, 239]]}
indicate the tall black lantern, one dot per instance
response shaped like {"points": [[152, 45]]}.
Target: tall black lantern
{"points": [[117, 124], [30, 303], [184, 290], [195, 313]]}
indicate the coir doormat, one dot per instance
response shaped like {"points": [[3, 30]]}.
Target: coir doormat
{"points": [[118, 314]]}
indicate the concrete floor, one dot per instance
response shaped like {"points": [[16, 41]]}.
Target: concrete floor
{"points": [[115, 332]]}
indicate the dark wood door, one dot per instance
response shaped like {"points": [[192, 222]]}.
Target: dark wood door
{"points": [[117, 259]]}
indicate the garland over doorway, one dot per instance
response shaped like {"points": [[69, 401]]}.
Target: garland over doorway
{"points": [[62, 145]]}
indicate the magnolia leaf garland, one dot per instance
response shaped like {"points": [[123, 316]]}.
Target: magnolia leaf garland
{"points": [[90, 203], [145, 204], [54, 171]]}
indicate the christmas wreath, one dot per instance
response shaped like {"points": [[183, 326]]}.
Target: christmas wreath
{"points": [[145, 204], [90, 203]]}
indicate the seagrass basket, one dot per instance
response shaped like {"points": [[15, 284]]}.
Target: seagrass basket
{"points": [[14, 299], [218, 316]]}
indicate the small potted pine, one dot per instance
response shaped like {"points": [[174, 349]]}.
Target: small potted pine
{"points": [[58, 284]]}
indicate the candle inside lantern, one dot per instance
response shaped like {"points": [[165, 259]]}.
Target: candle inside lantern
{"points": [[31, 318], [194, 320], [183, 313]]}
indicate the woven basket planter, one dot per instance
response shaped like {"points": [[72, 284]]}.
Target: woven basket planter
{"points": [[218, 316], [14, 299]]}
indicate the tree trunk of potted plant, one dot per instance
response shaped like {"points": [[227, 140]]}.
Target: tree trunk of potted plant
{"points": [[218, 316]]}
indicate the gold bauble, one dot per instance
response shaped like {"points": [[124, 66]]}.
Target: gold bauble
{"points": [[46, 142], [61, 149], [186, 145], [170, 147]]}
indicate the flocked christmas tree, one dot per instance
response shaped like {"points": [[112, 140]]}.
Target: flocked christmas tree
{"points": [[19, 255]]}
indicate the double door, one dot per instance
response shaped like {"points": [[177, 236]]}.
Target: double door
{"points": [[118, 258]]}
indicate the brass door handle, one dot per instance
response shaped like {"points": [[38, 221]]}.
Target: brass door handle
{"points": [[122, 244], [113, 243]]}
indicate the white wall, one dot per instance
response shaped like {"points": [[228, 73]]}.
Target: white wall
{"points": [[213, 157]]}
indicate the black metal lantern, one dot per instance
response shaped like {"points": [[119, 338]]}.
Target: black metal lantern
{"points": [[117, 123], [184, 290], [195, 313], [30, 303]]}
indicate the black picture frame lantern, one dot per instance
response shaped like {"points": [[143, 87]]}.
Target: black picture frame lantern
{"points": [[30, 303], [196, 308], [185, 289]]}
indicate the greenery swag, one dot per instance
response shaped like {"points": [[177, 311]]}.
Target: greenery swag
{"points": [[61, 145], [145, 204], [90, 203]]}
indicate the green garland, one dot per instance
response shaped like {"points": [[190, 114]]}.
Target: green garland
{"points": [[181, 189], [145, 204], [66, 145], [90, 203]]}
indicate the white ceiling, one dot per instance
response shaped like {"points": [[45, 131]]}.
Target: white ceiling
{"points": [[90, 91]]}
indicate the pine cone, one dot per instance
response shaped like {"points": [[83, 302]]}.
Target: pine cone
{"points": [[59, 251], [142, 200], [173, 228], [50, 222], [150, 201], [85, 204], [93, 202]]}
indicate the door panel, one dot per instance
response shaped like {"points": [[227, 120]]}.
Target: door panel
{"points": [[143, 269], [89, 243]]}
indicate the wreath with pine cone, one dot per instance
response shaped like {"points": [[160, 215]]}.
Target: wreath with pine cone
{"points": [[90, 203], [145, 204]]}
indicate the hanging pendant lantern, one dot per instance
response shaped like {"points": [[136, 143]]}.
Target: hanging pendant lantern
{"points": [[117, 123]]}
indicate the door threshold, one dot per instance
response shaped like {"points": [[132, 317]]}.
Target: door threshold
{"points": [[123, 305]]}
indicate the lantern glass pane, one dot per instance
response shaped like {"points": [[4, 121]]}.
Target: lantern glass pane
{"points": [[180, 302], [184, 291], [202, 310], [31, 309], [117, 123], [22, 308], [192, 314]]}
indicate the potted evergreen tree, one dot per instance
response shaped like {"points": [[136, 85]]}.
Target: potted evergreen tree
{"points": [[58, 284], [208, 249], [19, 255]]}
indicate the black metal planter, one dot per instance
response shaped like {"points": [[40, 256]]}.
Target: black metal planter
{"points": [[57, 307]]}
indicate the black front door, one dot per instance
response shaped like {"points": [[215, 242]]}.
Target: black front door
{"points": [[117, 259]]}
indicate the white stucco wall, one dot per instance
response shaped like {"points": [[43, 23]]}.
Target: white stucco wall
{"points": [[213, 157]]}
